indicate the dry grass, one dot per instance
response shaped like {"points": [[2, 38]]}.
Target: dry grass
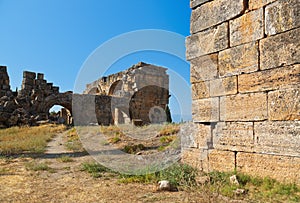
{"points": [[17, 140], [73, 142]]}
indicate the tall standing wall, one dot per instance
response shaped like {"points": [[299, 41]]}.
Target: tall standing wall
{"points": [[245, 75]]}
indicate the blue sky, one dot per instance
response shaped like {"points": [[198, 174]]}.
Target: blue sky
{"points": [[56, 37]]}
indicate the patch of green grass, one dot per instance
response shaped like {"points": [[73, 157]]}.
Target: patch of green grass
{"points": [[167, 139], [179, 175], [65, 159], [95, 169], [262, 189], [35, 166], [17, 140], [115, 139], [132, 149]]}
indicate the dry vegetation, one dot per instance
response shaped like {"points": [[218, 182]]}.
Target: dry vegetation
{"points": [[17, 140], [72, 178]]}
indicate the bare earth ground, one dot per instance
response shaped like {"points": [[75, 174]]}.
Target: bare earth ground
{"points": [[66, 182]]}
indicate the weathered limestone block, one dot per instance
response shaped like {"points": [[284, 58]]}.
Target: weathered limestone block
{"points": [[221, 160], [195, 3], [255, 4], [238, 60], [200, 90], [244, 107], [282, 168], [204, 68], [224, 86], [272, 79], [215, 12], [281, 16], [208, 41], [196, 158], [284, 105], [247, 28], [234, 136], [195, 135], [281, 49], [278, 137], [205, 110]]}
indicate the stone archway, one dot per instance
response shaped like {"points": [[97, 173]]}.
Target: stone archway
{"points": [[115, 88]]}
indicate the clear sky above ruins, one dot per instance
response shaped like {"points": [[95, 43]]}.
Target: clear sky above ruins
{"points": [[55, 37]]}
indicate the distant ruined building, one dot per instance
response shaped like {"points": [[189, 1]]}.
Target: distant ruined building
{"points": [[139, 95]]}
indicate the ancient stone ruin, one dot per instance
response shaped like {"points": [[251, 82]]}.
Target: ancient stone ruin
{"points": [[139, 94], [32, 102], [245, 76]]}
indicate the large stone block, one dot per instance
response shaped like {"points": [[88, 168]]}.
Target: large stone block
{"points": [[221, 160], [281, 16], [196, 158], [281, 49], [234, 136], [195, 3], [255, 4], [215, 12], [278, 137], [200, 90], [204, 68], [205, 110], [238, 60], [244, 107], [272, 79], [224, 86], [195, 135], [282, 168], [208, 41], [247, 28], [284, 104]]}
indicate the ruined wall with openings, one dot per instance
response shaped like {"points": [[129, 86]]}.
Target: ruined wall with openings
{"points": [[139, 93], [245, 75]]}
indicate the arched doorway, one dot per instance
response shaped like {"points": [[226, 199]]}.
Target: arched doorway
{"points": [[116, 88], [60, 115]]}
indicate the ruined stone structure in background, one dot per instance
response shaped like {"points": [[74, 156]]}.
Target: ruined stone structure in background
{"points": [[32, 103], [139, 94], [245, 76]]}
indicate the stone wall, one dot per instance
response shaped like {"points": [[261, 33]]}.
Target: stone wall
{"points": [[139, 93], [32, 102], [245, 75]]}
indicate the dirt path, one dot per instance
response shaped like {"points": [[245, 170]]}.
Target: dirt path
{"points": [[63, 180], [57, 145]]}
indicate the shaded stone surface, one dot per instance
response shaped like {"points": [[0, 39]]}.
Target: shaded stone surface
{"points": [[200, 90], [281, 16], [272, 79], [279, 50], [215, 12], [238, 60], [204, 68], [195, 3], [284, 105], [247, 28], [224, 86], [278, 137], [255, 4], [205, 110], [208, 41], [234, 136]]}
